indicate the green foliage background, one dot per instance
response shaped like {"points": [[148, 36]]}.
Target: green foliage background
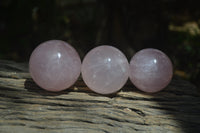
{"points": [[26, 23]]}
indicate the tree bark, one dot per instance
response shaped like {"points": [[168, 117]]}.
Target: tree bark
{"points": [[24, 107]]}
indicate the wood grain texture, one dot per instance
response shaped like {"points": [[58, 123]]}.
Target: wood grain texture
{"points": [[24, 107]]}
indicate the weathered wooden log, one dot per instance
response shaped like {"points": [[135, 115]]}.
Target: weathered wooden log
{"points": [[24, 107]]}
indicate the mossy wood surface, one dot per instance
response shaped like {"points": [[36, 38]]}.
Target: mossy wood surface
{"points": [[24, 107]]}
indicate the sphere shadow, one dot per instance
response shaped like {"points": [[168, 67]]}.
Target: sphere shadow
{"points": [[31, 86]]}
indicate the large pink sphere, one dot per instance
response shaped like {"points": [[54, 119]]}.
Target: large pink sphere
{"points": [[105, 69], [55, 65], [151, 70]]}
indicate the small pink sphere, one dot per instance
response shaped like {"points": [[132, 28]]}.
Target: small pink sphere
{"points": [[54, 65], [151, 70], [105, 69]]}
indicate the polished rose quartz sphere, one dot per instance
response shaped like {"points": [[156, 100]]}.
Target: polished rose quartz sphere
{"points": [[54, 65], [105, 69], [151, 70]]}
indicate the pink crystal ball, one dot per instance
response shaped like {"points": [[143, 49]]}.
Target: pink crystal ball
{"points": [[150, 70], [54, 65], [105, 69]]}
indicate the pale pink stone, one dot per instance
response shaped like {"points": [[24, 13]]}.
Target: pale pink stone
{"points": [[151, 70], [55, 65], [105, 69]]}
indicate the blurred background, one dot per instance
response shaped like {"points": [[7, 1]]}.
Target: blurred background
{"points": [[172, 26]]}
